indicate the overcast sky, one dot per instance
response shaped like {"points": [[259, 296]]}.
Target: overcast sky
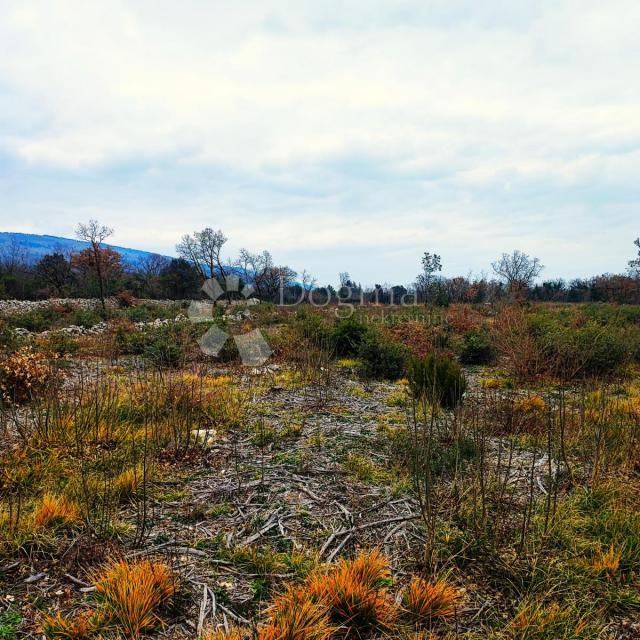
{"points": [[342, 136]]}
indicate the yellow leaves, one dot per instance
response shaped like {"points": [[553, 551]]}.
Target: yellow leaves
{"points": [[492, 383]]}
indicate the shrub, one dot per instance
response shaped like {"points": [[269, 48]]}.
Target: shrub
{"points": [[26, 374], [425, 601], [133, 594], [35, 320], [477, 348], [85, 318], [380, 358], [125, 299], [348, 336], [314, 328], [167, 346], [439, 379]]}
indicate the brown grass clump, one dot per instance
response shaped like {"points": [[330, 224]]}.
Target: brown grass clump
{"points": [[133, 594], [56, 511], [61, 627], [355, 595], [426, 601], [234, 633], [295, 616]]}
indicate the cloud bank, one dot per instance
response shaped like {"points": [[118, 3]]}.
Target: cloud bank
{"points": [[340, 135]]}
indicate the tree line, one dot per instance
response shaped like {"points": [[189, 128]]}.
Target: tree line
{"points": [[99, 271]]}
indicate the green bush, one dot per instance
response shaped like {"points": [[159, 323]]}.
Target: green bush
{"points": [[85, 318], [477, 348], [348, 336], [35, 320], [438, 378], [169, 346], [312, 327], [147, 312], [380, 358], [584, 351]]}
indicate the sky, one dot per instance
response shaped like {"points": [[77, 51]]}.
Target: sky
{"points": [[341, 136]]}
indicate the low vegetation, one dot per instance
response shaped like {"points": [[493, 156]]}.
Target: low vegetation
{"points": [[461, 472]]}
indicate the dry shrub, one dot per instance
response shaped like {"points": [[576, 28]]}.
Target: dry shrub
{"points": [[26, 374], [426, 601], [417, 336], [133, 594], [517, 345], [295, 616], [530, 405], [355, 594], [125, 299], [56, 511]]}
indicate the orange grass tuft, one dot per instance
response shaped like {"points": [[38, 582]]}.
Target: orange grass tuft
{"points": [[355, 595], [607, 562], [56, 511], [425, 601], [295, 616], [234, 633], [60, 627], [133, 594]]}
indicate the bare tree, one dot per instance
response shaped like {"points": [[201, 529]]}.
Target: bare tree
{"points": [[14, 257], [203, 250], [260, 270], [95, 234], [634, 265], [517, 270], [150, 268]]}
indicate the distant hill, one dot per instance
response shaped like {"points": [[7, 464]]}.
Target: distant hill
{"points": [[39, 245]]}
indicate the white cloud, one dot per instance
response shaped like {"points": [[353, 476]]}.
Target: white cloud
{"points": [[320, 120]]}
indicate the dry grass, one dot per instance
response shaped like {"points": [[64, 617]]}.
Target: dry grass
{"points": [[133, 594], [295, 616], [84, 625], [355, 595], [56, 511], [607, 562], [427, 601], [234, 633]]}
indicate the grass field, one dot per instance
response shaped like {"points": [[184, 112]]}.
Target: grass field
{"points": [[459, 472]]}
